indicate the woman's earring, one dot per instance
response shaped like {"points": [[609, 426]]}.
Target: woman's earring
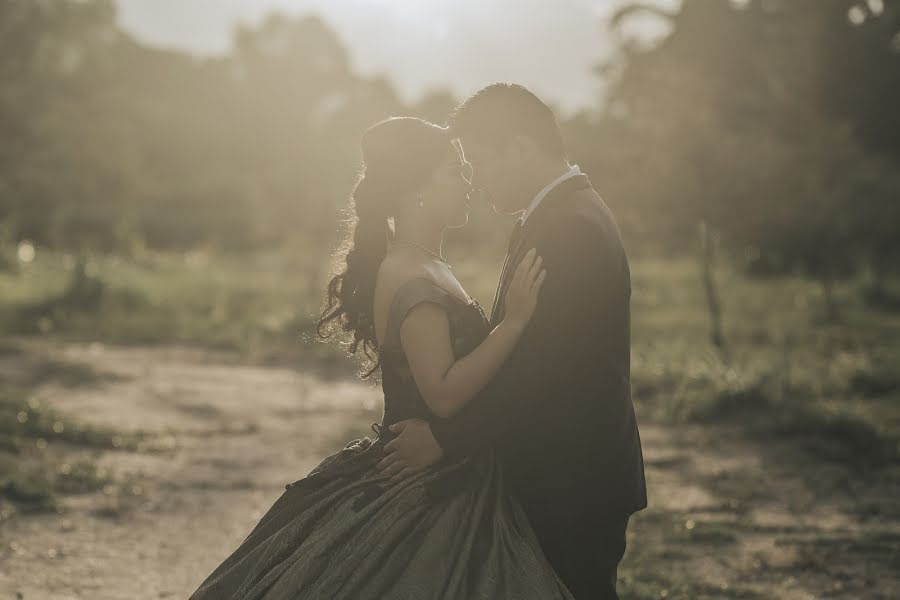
{"points": [[421, 202]]}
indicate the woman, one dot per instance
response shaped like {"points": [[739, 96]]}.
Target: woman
{"points": [[348, 531]]}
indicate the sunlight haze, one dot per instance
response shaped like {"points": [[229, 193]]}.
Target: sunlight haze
{"points": [[551, 47]]}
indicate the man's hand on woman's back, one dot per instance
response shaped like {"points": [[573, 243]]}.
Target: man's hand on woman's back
{"points": [[413, 450]]}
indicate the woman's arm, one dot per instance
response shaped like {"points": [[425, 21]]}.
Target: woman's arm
{"points": [[447, 384]]}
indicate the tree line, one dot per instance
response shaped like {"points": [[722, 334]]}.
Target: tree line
{"points": [[770, 125]]}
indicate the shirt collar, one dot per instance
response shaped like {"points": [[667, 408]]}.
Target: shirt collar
{"points": [[572, 172]]}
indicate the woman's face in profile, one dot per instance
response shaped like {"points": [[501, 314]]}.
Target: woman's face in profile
{"points": [[446, 194]]}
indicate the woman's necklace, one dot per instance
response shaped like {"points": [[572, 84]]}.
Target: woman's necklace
{"points": [[421, 247]]}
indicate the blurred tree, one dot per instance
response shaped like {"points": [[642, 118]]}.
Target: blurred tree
{"points": [[47, 51], [772, 122], [106, 143], [734, 119]]}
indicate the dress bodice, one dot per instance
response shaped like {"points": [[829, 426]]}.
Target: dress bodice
{"points": [[468, 328]]}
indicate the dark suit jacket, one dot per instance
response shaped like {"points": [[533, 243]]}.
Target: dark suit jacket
{"points": [[559, 413]]}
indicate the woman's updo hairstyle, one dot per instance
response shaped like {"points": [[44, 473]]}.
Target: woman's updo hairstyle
{"points": [[399, 156]]}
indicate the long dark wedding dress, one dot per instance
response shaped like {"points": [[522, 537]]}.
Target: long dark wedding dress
{"points": [[344, 532]]}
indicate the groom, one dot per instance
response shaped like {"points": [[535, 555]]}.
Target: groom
{"points": [[559, 413]]}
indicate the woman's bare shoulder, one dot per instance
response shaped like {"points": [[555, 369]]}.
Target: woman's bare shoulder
{"points": [[396, 270]]}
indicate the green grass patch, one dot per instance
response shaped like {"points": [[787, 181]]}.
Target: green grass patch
{"points": [[33, 472], [786, 372]]}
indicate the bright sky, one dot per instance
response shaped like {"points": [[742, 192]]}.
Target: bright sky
{"points": [[550, 46]]}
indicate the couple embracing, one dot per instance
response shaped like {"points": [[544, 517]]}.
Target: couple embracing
{"points": [[508, 460]]}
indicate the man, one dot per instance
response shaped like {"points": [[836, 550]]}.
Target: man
{"points": [[559, 413]]}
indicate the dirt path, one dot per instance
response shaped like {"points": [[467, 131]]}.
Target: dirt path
{"points": [[233, 436], [734, 518], [729, 518]]}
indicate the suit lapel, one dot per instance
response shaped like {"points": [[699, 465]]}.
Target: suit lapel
{"points": [[518, 247], [515, 239], [495, 307], [513, 258]]}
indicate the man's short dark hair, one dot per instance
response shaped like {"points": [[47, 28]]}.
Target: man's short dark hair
{"points": [[500, 112]]}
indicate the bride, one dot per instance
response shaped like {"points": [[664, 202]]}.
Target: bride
{"points": [[451, 531]]}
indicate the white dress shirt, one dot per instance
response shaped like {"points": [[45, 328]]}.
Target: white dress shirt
{"points": [[572, 172]]}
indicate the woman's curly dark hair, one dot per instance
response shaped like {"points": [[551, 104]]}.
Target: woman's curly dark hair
{"points": [[399, 155]]}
